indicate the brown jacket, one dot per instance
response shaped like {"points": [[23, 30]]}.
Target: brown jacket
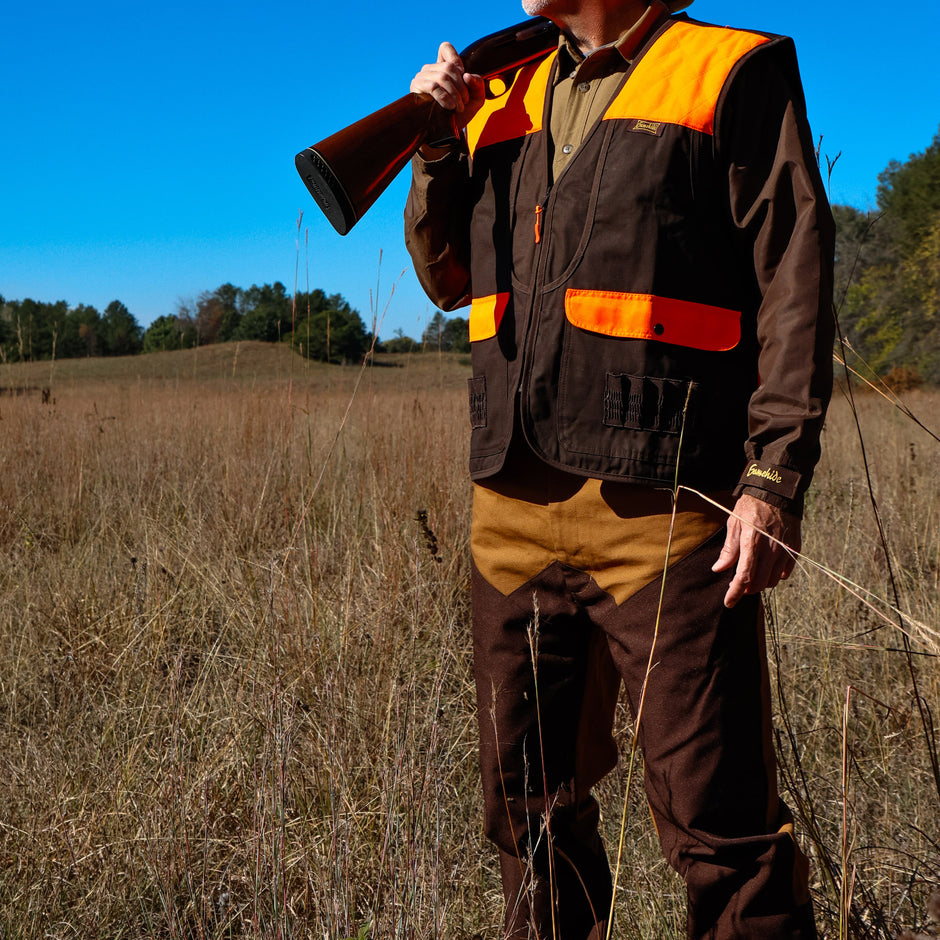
{"points": [[672, 285]]}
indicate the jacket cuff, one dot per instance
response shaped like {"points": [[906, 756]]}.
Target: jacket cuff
{"points": [[793, 506], [776, 485]]}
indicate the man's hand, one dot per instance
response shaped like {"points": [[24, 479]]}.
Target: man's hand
{"points": [[761, 563], [450, 86]]}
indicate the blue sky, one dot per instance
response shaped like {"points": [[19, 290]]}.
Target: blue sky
{"points": [[146, 152]]}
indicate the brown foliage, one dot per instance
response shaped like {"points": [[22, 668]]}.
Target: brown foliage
{"points": [[903, 379]]}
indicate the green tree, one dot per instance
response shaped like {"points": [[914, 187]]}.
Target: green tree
{"points": [[121, 334], [909, 196], [400, 343], [922, 270], [217, 316], [34, 328], [457, 335], [332, 335], [861, 241], [328, 329], [888, 267], [307, 304], [266, 313], [164, 333], [229, 298], [186, 311], [5, 330], [892, 316], [433, 335], [80, 336], [449, 335]]}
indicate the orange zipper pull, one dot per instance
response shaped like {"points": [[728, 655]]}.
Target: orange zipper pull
{"points": [[538, 223]]}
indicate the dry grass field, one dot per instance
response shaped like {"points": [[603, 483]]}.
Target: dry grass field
{"points": [[236, 698]]}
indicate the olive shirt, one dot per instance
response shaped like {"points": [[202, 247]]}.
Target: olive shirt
{"points": [[585, 85]]}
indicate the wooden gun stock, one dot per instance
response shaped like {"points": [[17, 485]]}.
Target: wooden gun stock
{"points": [[347, 172]]}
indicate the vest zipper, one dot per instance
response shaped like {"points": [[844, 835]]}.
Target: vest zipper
{"points": [[531, 316], [531, 327]]}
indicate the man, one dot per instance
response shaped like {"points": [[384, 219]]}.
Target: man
{"points": [[640, 226]]}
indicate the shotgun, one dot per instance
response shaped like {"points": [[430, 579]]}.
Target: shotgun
{"points": [[347, 172]]}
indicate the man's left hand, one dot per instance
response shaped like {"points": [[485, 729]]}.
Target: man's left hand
{"points": [[761, 562]]}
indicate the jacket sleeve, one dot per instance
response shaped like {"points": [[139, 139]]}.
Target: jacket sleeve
{"points": [[785, 234], [437, 227]]}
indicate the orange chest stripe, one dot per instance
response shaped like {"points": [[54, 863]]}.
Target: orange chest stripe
{"points": [[679, 80], [516, 112]]}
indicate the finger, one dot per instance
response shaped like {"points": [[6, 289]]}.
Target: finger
{"points": [[447, 53], [785, 563], [731, 548], [739, 586], [765, 561], [476, 88], [443, 84], [761, 566], [775, 558], [746, 574]]}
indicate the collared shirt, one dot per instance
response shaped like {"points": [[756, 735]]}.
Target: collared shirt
{"points": [[585, 84]]}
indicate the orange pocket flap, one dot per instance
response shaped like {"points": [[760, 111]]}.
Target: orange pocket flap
{"points": [[646, 316]]}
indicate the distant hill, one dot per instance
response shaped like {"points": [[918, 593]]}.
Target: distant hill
{"points": [[239, 362]]}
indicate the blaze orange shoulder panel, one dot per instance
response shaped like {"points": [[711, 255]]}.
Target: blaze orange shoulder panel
{"points": [[646, 316], [516, 112], [486, 313], [679, 79]]}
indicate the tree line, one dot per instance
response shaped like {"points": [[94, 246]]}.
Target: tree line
{"points": [[887, 284], [320, 326], [887, 291], [30, 330]]}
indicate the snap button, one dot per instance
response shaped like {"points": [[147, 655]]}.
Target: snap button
{"points": [[567, 148], [659, 329], [584, 86]]}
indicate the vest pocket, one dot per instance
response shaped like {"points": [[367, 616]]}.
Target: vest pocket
{"points": [[646, 403]]}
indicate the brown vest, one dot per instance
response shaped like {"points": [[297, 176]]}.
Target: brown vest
{"points": [[614, 312]]}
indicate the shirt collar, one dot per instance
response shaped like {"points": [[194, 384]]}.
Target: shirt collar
{"points": [[570, 57]]}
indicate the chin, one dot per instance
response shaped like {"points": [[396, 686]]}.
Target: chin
{"points": [[536, 7]]}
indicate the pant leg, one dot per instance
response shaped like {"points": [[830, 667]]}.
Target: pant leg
{"points": [[706, 740], [710, 770], [542, 747]]}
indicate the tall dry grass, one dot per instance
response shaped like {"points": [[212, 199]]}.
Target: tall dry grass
{"points": [[237, 702]]}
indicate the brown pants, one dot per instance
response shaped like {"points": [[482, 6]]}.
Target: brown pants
{"points": [[547, 684]]}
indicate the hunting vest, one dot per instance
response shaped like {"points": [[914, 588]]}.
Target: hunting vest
{"points": [[614, 309]]}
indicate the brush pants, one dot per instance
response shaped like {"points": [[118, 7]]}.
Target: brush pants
{"points": [[567, 578]]}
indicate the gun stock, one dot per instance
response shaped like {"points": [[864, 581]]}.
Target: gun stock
{"points": [[346, 172]]}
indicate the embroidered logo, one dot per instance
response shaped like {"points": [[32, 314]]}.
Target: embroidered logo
{"points": [[648, 127], [770, 475]]}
